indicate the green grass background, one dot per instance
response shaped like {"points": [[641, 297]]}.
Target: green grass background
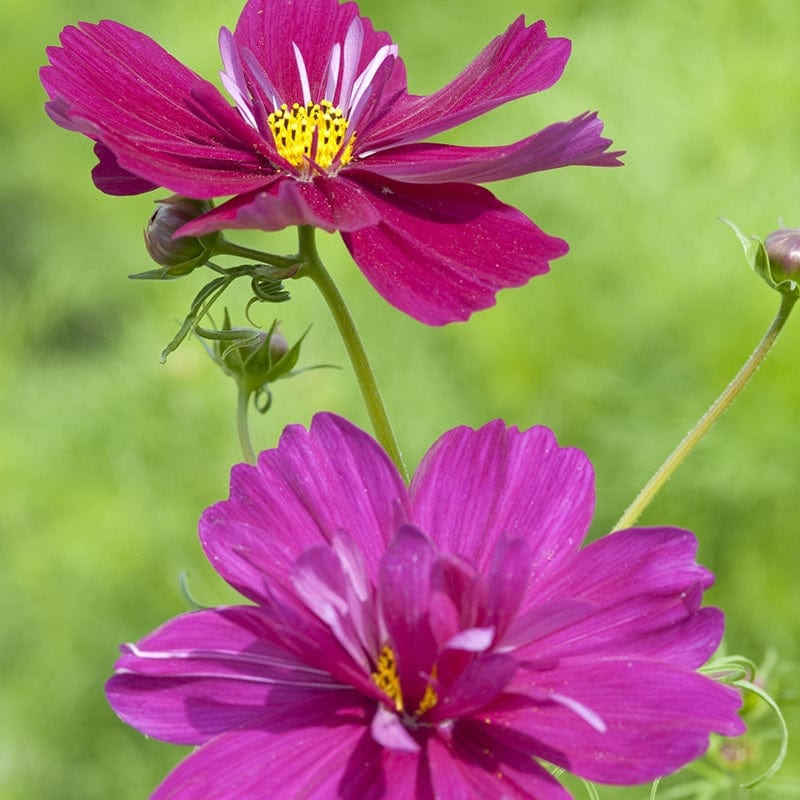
{"points": [[108, 458]]}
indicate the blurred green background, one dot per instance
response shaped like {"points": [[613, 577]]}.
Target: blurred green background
{"points": [[108, 458]]}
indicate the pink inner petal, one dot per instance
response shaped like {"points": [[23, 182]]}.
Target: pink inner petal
{"points": [[404, 591], [388, 730]]}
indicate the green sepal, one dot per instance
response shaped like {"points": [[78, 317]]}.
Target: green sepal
{"points": [[283, 366], [756, 254], [161, 274], [202, 302]]}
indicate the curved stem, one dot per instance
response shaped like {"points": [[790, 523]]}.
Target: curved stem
{"points": [[718, 407], [242, 426], [315, 269]]}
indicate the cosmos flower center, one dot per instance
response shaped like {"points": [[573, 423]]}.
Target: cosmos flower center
{"points": [[386, 678], [311, 134]]}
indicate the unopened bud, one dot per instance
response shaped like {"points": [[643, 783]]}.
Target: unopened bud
{"points": [[776, 259], [183, 254], [278, 346], [783, 250], [247, 355], [254, 358]]}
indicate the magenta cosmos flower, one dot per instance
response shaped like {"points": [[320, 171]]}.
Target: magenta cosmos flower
{"points": [[325, 133], [437, 641]]}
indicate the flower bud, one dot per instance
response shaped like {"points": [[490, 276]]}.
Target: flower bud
{"points": [[249, 355], [776, 260], [783, 250], [253, 358], [180, 256], [278, 346]]}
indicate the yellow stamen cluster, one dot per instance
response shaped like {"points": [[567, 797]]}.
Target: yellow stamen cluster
{"points": [[311, 133], [429, 699], [385, 678]]}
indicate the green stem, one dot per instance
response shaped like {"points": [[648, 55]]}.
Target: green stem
{"points": [[315, 269], [718, 407], [227, 248], [242, 403]]}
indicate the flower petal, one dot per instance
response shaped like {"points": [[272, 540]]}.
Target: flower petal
{"points": [[479, 763], [111, 178], [659, 628], [657, 717], [389, 731], [644, 589], [315, 763], [274, 32], [484, 678], [333, 477], [560, 145], [443, 251], [320, 581], [253, 764], [208, 671], [328, 203], [521, 61], [173, 129], [507, 581], [541, 620], [472, 640], [404, 591], [662, 559], [476, 486]]}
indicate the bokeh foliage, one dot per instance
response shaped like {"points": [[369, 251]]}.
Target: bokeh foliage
{"points": [[107, 458]]}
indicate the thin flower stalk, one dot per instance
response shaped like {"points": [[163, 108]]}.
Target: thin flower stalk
{"points": [[243, 425], [706, 422], [314, 269]]}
